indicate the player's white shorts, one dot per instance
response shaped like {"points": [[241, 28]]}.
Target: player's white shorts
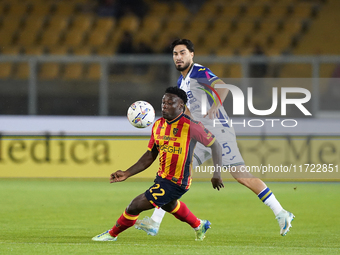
{"points": [[231, 155]]}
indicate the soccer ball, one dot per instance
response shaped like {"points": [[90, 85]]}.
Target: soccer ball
{"points": [[141, 114]]}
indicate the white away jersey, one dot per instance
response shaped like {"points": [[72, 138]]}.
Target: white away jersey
{"points": [[199, 85]]}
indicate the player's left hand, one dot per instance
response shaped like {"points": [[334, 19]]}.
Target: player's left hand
{"points": [[118, 176], [213, 112], [217, 183]]}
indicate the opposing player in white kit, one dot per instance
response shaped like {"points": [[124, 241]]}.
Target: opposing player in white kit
{"points": [[198, 82]]}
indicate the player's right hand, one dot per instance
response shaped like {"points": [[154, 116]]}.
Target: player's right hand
{"points": [[217, 183], [118, 176]]}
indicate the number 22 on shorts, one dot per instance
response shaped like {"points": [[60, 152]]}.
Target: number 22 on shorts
{"points": [[157, 194]]}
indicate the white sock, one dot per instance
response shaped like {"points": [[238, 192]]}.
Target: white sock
{"points": [[158, 215], [273, 204], [269, 199]]}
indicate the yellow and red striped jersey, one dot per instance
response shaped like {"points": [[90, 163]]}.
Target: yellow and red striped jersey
{"points": [[175, 142]]}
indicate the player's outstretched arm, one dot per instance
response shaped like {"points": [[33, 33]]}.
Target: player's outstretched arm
{"points": [[143, 163], [216, 180]]}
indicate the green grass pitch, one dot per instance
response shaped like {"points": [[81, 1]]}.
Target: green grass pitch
{"points": [[50, 216]]}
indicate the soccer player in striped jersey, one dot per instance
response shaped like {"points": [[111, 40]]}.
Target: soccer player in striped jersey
{"points": [[198, 82], [173, 139]]}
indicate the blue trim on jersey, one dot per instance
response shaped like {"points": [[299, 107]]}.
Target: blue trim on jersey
{"points": [[198, 72], [211, 74], [179, 81]]}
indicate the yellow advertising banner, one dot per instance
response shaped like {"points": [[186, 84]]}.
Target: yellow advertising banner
{"points": [[48, 156], [272, 157]]}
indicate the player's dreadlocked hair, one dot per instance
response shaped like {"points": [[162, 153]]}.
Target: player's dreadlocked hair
{"points": [[178, 92], [185, 42]]}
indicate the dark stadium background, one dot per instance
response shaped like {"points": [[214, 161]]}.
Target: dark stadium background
{"points": [[87, 57]]}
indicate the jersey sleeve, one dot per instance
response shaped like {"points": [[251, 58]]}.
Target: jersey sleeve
{"points": [[201, 134], [206, 76], [152, 142]]}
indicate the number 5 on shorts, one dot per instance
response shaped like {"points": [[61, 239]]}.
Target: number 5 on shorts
{"points": [[226, 146]]}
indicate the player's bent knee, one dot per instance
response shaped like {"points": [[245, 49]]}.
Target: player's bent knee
{"points": [[138, 205], [133, 209]]}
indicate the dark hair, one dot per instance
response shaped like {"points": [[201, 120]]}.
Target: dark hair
{"points": [[185, 42], [178, 92]]}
